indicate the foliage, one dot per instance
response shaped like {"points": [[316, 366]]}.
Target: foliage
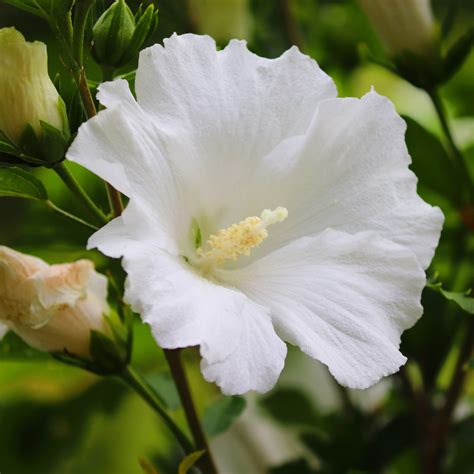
{"points": [[70, 421]]}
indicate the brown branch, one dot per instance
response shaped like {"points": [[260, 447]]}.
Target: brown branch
{"points": [[206, 463]]}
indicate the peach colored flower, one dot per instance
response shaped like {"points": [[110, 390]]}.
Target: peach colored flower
{"points": [[51, 307]]}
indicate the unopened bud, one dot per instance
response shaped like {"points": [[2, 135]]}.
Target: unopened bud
{"points": [[404, 26], [28, 96], [113, 33], [52, 307], [118, 35]]}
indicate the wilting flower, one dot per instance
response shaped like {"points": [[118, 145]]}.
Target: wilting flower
{"points": [[403, 25], [51, 307], [262, 208], [27, 94]]}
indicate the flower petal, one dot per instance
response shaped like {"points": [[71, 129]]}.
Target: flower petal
{"points": [[232, 95], [61, 284], [3, 330], [240, 348], [222, 111], [350, 172], [344, 299]]}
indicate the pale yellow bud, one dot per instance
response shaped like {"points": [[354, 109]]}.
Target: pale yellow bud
{"points": [[51, 307], [403, 25], [222, 19], [26, 91]]}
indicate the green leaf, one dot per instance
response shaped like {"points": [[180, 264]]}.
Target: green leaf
{"points": [[43, 8], [290, 406], [189, 461], [6, 145], [165, 388], [13, 348], [27, 6], [457, 54], [462, 299], [15, 182], [221, 414], [431, 163]]}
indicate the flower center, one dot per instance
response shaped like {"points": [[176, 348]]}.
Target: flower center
{"points": [[239, 239]]}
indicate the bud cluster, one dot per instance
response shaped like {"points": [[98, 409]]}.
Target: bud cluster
{"points": [[118, 35]]}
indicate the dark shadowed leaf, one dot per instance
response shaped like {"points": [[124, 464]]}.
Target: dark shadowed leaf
{"points": [[221, 414], [431, 163], [462, 299], [15, 182], [291, 406]]}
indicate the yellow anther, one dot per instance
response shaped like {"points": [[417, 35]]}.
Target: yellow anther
{"points": [[239, 239]]}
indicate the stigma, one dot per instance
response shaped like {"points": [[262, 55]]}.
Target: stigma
{"points": [[239, 239]]}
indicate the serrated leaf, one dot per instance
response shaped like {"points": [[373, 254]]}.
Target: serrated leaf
{"points": [[221, 414], [189, 461], [462, 299], [431, 163], [15, 182]]}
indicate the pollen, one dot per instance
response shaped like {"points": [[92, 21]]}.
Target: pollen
{"points": [[240, 239]]}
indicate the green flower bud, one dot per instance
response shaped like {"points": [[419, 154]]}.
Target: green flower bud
{"points": [[28, 96], [118, 35], [113, 33]]}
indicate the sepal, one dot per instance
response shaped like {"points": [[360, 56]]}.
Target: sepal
{"points": [[47, 149], [118, 35]]}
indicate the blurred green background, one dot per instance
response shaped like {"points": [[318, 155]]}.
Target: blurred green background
{"points": [[59, 420]]}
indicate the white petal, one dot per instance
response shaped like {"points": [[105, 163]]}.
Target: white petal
{"points": [[124, 147], [240, 348], [116, 92], [230, 94], [3, 330], [138, 224], [222, 111], [344, 299], [350, 172]]}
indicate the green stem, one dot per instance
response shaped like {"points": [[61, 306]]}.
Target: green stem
{"points": [[454, 150], [80, 20], [135, 381], [115, 198], [64, 213], [71, 182], [206, 463]]}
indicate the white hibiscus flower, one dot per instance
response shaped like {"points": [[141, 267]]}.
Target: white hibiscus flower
{"points": [[262, 209]]}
